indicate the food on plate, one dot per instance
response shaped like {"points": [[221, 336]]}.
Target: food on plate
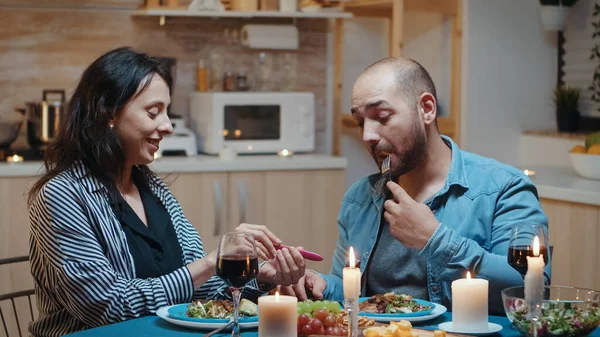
{"points": [[397, 329], [591, 139], [592, 145], [578, 149], [594, 149], [325, 318], [220, 308], [392, 303]]}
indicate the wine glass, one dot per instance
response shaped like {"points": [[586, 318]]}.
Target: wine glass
{"points": [[237, 264], [521, 245]]}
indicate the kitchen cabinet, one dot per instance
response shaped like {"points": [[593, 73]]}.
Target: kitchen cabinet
{"points": [[300, 206], [14, 232], [574, 231], [203, 198]]}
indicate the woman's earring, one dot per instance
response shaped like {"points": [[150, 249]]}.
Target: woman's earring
{"points": [[111, 126]]}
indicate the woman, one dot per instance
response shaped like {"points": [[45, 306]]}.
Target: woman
{"points": [[109, 242]]}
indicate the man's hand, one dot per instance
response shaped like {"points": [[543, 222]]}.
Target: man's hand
{"points": [[311, 283], [411, 223]]}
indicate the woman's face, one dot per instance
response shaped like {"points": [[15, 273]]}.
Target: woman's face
{"points": [[143, 123]]}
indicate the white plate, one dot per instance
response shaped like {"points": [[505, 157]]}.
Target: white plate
{"points": [[492, 328], [164, 314], [437, 311]]}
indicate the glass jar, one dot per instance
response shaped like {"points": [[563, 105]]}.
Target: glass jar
{"points": [[242, 81], [229, 82]]}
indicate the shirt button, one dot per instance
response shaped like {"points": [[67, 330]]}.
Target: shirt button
{"points": [[435, 288], [158, 256]]}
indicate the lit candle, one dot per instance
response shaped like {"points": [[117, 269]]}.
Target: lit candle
{"points": [[351, 278], [14, 159], [277, 316], [351, 285], [470, 304], [534, 279]]}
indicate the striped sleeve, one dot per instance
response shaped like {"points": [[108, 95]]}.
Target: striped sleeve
{"points": [[191, 244], [87, 285]]}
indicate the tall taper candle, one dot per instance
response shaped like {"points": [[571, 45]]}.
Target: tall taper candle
{"points": [[534, 280]]}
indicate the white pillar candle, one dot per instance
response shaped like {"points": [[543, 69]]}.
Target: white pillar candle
{"points": [[470, 304], [277, 316], [534, 279], [351, 278]]}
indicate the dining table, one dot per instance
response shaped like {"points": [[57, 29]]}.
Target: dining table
{"points": [[154, 326]]}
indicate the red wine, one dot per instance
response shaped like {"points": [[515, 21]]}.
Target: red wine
{"points": [[517, 257], [237, 270]]}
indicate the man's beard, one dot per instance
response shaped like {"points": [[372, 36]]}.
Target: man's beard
{"points": [[414, 151]]}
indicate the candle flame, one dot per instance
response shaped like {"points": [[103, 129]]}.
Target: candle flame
{"points": [[351, 258], [277, 296], [536, 246], [15, 157], [468, 276]]}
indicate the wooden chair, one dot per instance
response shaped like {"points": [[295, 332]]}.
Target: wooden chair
{"points": [[11, 297]]}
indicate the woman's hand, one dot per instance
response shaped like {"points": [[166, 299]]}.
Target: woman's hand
{"points": [[286, 268], [265, 240]]}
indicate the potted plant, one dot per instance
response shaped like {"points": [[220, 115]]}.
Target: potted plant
{"points": [[554, 13], [566, 100], [595, 55]]}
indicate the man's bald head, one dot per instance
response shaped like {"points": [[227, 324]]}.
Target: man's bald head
{"points": [[410, 77]]}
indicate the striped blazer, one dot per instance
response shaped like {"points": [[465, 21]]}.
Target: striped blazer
{"points": [[83, 272]]}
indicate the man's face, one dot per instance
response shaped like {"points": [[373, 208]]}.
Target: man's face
{"points": [[387, 122]]}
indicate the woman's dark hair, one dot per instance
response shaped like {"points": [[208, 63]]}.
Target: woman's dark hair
{"points": [[104, 90]]}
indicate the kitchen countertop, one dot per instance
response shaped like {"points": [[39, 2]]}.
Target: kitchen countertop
{"points": [[563, 183], [557, 183], [208, 164]]}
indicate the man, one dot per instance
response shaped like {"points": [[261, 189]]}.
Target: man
{"points": [[448, 211]]}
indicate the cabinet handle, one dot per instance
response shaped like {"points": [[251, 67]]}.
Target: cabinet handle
{"points": [[242, 198], [218, 207]]}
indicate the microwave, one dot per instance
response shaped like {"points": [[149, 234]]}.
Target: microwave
{"points": [[253, 122]]}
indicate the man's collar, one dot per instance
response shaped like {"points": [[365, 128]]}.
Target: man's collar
{"points": [[456, 174]]}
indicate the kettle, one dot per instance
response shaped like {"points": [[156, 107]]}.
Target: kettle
{"points": [[43, 119]]}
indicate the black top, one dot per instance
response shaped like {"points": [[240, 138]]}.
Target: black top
{"points": [[155, 248]]}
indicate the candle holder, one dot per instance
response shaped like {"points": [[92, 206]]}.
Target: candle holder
{"points": [[351, 307], [533, 311]]}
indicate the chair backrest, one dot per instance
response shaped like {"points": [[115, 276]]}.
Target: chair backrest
{"points": [[11, 297]]}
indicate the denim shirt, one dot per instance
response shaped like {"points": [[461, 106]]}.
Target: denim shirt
{"points": [[479, 204]]}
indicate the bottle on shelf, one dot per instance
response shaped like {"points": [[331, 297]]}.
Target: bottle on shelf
{"points": [[201, 77]]}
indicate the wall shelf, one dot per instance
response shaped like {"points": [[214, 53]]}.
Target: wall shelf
{"points": [[238, 14]]}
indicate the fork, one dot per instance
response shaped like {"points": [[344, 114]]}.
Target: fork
{"points": [[385, 168], [220, 329]]}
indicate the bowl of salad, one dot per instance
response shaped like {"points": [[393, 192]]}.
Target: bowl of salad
{"points": [[565, 311]]}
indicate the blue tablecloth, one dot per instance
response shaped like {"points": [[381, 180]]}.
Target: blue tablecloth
{"points": [[153, 326]]}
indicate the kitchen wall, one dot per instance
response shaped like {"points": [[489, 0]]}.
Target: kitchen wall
{"points": [[509, 65], [50, 49], [426, 39], [509, 71]]}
